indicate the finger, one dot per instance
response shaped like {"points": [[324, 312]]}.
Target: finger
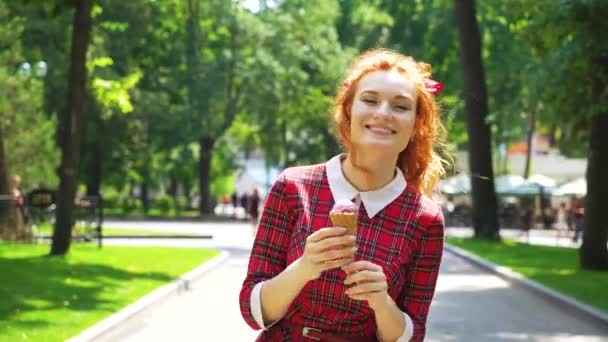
{"points": [[335, 263], [336, 242], [364, 296], [326, 232], [343, 253], [366, 288], [360, 266], [364, 276]]}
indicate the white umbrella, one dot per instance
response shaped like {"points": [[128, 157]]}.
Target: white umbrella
{"points": [[542, 180], [576, 187], [459, 184], [533, 186], [506, 183]]}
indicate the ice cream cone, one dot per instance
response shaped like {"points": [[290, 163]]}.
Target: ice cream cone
{"points": [[347, 220]]}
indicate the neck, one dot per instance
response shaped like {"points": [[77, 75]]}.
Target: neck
{"points": [[377, 172]]}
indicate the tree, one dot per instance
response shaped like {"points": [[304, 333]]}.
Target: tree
{"points": [[567, 37], [71, 128], [23, 125], [485, 219]]}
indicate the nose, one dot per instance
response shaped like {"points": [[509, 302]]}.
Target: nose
{"points": [[383, 109]]}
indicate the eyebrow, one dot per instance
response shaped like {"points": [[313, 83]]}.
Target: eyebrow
{"points": [[373, 92]]}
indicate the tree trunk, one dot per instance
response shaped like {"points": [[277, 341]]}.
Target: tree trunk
{"points": [[95, 170], [145, 187], [187, 188], [530, 142], [172, 191], [485, 219], [206, 152], [71, 129], [593, 252], [8, 210]]}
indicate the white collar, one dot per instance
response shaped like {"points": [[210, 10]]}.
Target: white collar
{"points": [[375, 200]]}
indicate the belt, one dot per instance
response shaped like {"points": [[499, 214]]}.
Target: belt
{"points": [[325, 336]]}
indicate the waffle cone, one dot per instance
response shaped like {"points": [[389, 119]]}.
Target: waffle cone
{"points": [[346, 220]]}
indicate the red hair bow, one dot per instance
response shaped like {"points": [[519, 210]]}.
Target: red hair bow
{"points": [[433, 86]]}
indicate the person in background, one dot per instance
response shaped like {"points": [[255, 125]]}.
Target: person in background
{"points": [[235, 201], [15, 189], [253, 209], [578, 219], [309, 280], [244, 203], [527, 219], [561, 222]]}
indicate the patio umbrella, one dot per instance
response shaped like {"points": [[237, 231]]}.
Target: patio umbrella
{"points": [[456, 185], [505, 183], [533, 186], [542, 180], [576, 187]]}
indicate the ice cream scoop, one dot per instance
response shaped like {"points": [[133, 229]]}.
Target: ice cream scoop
{"points": [[344, 205]]}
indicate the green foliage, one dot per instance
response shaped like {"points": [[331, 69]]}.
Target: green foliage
{"points": [[264, 82], [164, 203], [565, 37], [27, 130], [130, 205]]}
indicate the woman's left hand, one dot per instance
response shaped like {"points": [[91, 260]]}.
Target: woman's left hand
{"points": [[370, 283]]}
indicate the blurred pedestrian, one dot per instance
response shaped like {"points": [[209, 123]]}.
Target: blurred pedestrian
{"points": [[253, 209], [578, 219], [244, 203], [15, 189], [527, 220], [561, 222], [234, 200]]}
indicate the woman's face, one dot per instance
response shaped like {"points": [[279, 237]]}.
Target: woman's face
{"points": [[383, 112]]}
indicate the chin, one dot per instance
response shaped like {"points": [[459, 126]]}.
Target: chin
{"points": [[379, 148]]}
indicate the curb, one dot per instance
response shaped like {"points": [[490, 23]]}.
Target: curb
{"points": [[509, 275], [180, 284]]}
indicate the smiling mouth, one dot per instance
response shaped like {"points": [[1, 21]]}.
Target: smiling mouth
{"points": [[380, 130]]}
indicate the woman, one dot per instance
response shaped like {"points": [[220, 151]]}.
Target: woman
{"points": [[305, 279]]}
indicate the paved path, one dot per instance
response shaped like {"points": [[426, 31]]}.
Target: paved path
{"points": [[470, 305]]}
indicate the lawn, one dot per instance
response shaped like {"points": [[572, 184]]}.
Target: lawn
{"points": [[554, 267], [53, 298], [47, 229], [152, 212]]}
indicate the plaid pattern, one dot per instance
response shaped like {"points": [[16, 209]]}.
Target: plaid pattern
{"points": [[406, 238]]}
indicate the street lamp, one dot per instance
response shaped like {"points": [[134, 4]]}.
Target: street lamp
{"points": [[40, 69]]}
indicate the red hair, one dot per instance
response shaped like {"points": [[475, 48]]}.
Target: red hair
{"points": [[420, 164]]}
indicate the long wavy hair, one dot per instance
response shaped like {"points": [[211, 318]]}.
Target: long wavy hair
{"points": [[420, 163]]}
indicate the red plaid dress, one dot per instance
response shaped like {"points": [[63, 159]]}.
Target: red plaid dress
{"points": [[405, 238]]}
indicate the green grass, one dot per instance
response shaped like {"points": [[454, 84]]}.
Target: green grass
{"points": [[46, 298], [152, 212], [47, 229], [554, 267]]}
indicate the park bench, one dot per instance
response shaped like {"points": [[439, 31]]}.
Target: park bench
{"points": [[88, 213]]}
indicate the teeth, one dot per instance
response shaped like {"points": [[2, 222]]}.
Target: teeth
{"points": [[381, 129]]}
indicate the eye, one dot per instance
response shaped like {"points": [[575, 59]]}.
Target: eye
{"points": [[402, 108], [369, 101]]}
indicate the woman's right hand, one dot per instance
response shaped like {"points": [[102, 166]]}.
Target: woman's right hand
{"points": [[325, 249]]}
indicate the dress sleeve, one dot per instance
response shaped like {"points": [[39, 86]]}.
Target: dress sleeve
{"points": [[268, 256], [415, 298]]}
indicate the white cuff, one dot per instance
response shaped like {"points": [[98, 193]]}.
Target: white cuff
{"points": [[409, 329], [256, 305]]}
